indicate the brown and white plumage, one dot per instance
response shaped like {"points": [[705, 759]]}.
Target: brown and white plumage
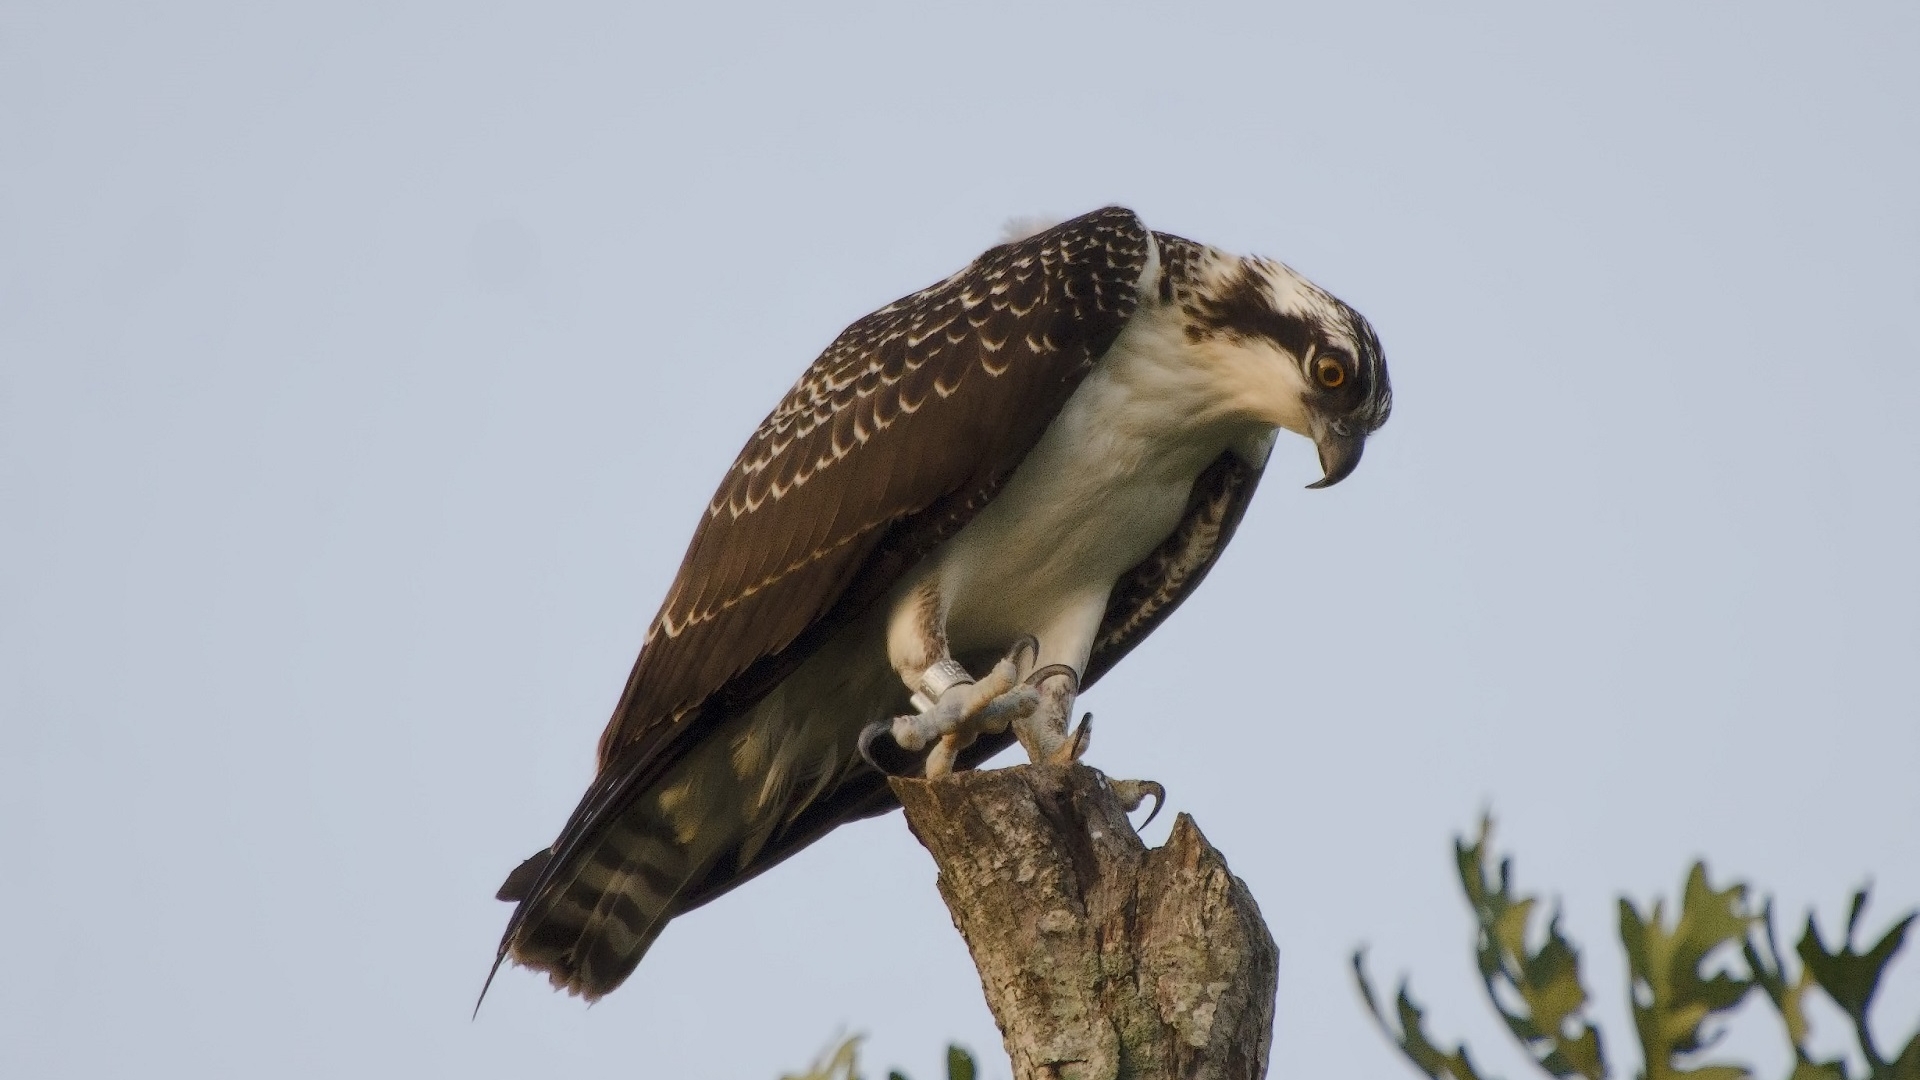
{"points": [[1058, 441]]}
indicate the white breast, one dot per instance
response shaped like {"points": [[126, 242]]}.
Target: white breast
{"points": [[1108, 481]]}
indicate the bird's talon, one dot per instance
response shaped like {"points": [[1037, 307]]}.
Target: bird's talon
{"points": [[1082, 738], [1040, 675], [879, 749], [1074, 745], [865, 745], [964, 711], [1134, 792], [1028, 647]]}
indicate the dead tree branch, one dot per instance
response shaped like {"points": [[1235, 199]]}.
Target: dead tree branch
{"points": [[1101, 959]]}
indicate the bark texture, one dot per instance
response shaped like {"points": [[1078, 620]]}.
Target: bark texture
{"points": [[1101, 959]]}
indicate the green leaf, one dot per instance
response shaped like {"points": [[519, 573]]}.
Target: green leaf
{"points": [[1672, 999], [1851, 978], [1788, 993], [1411, 1036], [959, 1063], [1550, 1025]]}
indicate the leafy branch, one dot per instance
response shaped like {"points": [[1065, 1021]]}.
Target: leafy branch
{"points": [[1683, 982]]}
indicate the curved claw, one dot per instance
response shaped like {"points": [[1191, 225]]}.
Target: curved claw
{"points": [[1074, 746], [865, 745], [1134, 792], [1081, 738], [1028, 646], [870, 733], [1040, 675]]}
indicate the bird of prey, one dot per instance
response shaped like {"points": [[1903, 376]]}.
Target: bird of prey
{"points": [[974, 503]]}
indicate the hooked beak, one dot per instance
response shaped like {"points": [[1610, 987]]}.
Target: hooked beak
{"points": [[1340, 446]]}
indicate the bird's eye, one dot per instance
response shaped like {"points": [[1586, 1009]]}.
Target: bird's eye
{"points": [[1330, 372]]}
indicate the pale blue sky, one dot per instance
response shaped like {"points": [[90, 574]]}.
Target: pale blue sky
{"points": [[363, 369]]}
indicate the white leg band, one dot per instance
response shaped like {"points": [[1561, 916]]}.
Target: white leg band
{"points": [[943, 676]]}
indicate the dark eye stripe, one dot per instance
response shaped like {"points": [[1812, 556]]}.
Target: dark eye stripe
{"points": [[1242, 308]]}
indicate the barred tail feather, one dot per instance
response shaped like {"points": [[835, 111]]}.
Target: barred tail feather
{"points": [[652, 839], [589, 925]]}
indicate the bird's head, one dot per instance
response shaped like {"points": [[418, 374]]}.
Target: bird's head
{"points": [[1300, 359]]}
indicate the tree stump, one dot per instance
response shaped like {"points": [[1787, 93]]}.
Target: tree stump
{"points": [[1101, 959]]}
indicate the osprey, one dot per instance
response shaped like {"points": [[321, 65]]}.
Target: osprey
{"points": [[971, 506]]}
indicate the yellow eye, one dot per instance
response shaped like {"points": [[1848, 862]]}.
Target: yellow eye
{"points": [[1330, 372]]}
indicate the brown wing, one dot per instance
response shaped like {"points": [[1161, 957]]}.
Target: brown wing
{"points": [[890, 442], [1140, 602]]}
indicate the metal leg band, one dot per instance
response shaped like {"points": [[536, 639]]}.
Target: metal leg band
{"points": [[943, 676]]}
